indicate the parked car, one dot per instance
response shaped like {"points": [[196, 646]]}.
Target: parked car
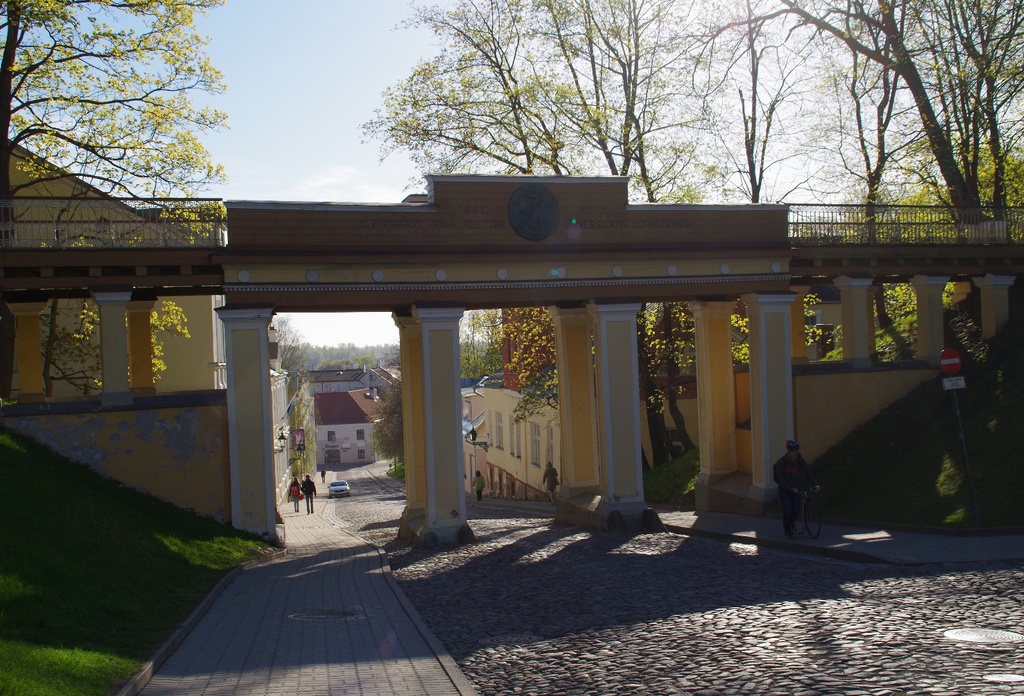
{"points": [[339, 489]]}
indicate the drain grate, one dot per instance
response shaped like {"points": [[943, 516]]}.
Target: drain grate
{"points": [[983, 635], [322, 615]]}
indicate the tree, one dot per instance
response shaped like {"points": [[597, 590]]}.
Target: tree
{"points": [[99, 90], [480, 343], [552, 87], [961, 63], [389, 428]]}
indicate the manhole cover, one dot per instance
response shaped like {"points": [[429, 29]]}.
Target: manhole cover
{"points": [[511, 639], [322, 615], [983, 635], [1005, 678]]}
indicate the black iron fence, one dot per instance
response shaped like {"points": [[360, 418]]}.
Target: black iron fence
{"points": [[834, 225], [67, 223]]}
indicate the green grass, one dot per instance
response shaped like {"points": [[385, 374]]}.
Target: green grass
{"points": [[93, 575], [672, 482]]}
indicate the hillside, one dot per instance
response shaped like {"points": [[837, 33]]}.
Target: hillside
{"points": [[907, 465]]}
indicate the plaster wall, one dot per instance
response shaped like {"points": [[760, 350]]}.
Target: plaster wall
{"points": [[176, 454], [516, 459]]}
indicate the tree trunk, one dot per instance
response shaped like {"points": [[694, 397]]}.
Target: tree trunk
{"points": [[673, 375]]}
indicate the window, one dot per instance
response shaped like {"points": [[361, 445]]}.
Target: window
{"points": [[330, 436], [499, 431], [535, 446], [361, 454], [359, 434]]}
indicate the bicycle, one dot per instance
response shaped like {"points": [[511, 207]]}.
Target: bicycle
{"points": [[809, 518]]}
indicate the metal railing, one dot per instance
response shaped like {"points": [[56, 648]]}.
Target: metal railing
{"points": [[80, 223], [836, 225]]}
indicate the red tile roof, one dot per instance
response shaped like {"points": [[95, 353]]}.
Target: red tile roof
{"points": [[338, 408]]}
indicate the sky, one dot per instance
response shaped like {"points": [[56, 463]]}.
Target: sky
{"points": [[302, 77]]}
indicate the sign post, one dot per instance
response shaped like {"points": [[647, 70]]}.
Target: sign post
{"points": [[950, 363]]}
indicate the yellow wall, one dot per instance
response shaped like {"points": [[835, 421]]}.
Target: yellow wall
{"points": [[176, 454], [190, 360], [520, 466]]}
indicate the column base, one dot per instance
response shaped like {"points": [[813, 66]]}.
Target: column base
{"points": [[734, 493], [591, 511], [116, 399], [415, 530]]}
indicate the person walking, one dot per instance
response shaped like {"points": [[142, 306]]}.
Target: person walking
{"points": [[323, 476], [294, 489], [478, 486], [789, 472], [309, 489], [551, 481]]}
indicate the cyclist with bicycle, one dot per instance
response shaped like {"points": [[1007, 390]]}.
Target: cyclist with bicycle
{"points": [[789, 472]]}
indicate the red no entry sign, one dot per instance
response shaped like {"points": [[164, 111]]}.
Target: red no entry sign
{"points": [[949, 361]]}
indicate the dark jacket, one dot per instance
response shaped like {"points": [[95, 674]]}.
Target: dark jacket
{"points": [[308, 487], [789, 473]]}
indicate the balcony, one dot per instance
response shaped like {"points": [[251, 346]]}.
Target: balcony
{"points": [[111, 223], [903, 225]]}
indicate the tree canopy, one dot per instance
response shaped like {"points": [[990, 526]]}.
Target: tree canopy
{"points": [[100, 90]]}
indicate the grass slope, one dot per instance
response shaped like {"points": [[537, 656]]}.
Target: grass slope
{"points": [[94, 575], [907, 465]]}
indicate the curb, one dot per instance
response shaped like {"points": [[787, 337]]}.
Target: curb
{"points": [[448, 664], [826, 551], [137, 683]]}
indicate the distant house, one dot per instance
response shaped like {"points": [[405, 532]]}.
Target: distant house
{"points": [[327, 381], [344, 427]]}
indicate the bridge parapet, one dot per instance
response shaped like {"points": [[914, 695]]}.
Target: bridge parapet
{"points": [[903, 225], [118, 223]]}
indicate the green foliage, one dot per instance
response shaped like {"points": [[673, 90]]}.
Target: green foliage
{"points": [[530, 333], [480, 337], [92, 587], [389, 428], [672, 483], [101, 89]]}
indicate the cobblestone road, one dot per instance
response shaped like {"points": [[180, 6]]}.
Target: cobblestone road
{"points": [[535, 608]]}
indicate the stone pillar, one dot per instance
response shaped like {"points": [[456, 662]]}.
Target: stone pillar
{"points": [[577, 401], [29, 350], [716, 396], [995, 302], [140, 347], [251, 433], [442, 520], [798, 324], [113, 308], [618, 408], [771, 389], [930, 324], [857, 320], [414, 439]]}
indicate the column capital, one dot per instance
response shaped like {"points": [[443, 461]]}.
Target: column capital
{"points": [[929, 281], [23, 308], [112, 296], [711, 308], [241, 315], [844, 281], [990, 280], [437, 314], [613, 309], [756, 299]]}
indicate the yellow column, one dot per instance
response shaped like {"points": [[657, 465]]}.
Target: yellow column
{"points": [[577, 406], [771, 389], [442, 426], [250, 428], [930, 324], [797, 323], [618, 411], [856, 311], [414, 516], [716, 396], [113, 307], [140, 346], [29, 350], [995, 302]]}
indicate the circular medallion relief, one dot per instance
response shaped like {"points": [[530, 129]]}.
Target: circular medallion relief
{"points": [[533, 211]]}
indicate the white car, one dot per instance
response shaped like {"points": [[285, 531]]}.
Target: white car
{"points": [[339, 489]]}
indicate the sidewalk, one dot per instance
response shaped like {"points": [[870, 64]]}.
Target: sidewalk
{"points": [[841, 541], [325, 618]]}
